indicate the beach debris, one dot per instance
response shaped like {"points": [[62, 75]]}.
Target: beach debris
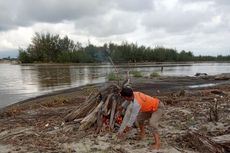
{"points": [[206, 144], [217, 92], [200, 74], [224, 141], [213, 111], [223, 76], [99, 110]]}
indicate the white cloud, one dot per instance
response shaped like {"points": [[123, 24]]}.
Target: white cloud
{"points": [[15, 38]]}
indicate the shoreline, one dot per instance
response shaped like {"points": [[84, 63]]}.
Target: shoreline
{"points": [[163, 84], [61, 92], [27, 126]]}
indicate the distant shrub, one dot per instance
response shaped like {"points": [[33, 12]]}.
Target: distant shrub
{"points": [[154, 74], [136, 74]]}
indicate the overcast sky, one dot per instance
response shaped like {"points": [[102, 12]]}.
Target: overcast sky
{"points": [[200, 26]]}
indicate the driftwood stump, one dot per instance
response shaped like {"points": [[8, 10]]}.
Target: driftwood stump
{"points": [[207, 145], [224, 141]]}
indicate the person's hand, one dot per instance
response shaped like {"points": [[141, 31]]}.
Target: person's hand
{"points": [[127, 129], [120, 135]]}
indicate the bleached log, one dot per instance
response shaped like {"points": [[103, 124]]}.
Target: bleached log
{"points": [[105, 107], [78, 120], [113, 109], [82, 110], [90, 119], [99, 121], [126, 83], [91, 109]]}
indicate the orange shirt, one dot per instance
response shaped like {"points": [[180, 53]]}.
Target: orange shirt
{"points": [[146, 102]]}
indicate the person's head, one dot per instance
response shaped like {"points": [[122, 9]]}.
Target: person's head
{"points": [[127, 93]]}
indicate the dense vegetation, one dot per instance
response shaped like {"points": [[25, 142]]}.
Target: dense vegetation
{"points": [[51, 48]]}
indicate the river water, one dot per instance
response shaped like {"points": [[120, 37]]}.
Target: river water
{"points": [[20, 82]]}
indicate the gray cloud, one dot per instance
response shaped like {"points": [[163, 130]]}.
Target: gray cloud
{"points": [[174, 20], [134, 5], [56, 11], [113, 23], [181, 17], [171, 23], [26, 12], [8, 16]]}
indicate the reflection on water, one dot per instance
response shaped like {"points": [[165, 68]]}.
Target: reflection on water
{"points": [[19, 82], [202, 85], [51, 77]]}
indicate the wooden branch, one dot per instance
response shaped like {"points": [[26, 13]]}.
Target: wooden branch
{"points": [[113, 109], [105, 107], [91, 118], [91, 109], [126, 83], [99, 121], [82, 110], [17, 131], [78, 120]]}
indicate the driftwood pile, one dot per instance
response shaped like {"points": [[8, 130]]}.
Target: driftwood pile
{"points": [[98, 107]]}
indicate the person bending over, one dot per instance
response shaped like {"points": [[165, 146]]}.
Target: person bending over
{"points": [[141, 107]]}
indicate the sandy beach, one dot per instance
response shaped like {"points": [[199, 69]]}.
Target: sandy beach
{"points": [[37, 124]]}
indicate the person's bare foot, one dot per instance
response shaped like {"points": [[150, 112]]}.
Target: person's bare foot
{"points": [[141, 136], [156, 146]]}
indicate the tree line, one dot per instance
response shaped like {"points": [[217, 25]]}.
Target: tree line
{"points": [[48, 48]]}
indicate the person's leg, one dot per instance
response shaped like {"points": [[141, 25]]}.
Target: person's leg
{"points": [[142, 116], [154, 120], [156, 138], [142, 132]]}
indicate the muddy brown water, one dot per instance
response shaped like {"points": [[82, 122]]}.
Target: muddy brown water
{"points": [[20, 82]]}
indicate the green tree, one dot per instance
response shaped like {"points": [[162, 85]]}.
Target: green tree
{"points": [[24, 56], [46, 47], [185, 56]]}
